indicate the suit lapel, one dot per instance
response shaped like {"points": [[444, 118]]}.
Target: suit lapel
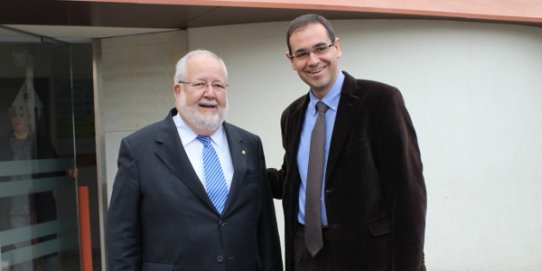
{"points": [[343, 121], [341, 129], [239, 154], [293, 127], [171, 152], [292, 136]]}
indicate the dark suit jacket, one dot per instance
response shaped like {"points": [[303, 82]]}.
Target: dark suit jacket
{"points": [[375, 193], [160, 217]]}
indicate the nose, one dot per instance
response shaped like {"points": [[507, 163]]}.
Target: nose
{"points": [[208, 91], [313, 58]]}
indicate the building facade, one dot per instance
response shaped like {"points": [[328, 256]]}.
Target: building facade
{"points": [[78, 76]]}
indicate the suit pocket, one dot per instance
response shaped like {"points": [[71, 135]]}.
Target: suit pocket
{"points": [[148, 266], [360, 163], [358, 145], [380, 227], [255, 178], [359, 153]]}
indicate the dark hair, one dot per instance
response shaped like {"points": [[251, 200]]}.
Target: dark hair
{"points": [[305, 20]]}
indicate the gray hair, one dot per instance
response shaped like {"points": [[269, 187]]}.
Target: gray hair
{"points": [[181, 67]]}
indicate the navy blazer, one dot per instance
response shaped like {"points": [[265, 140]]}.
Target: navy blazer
{"points": [[375, 193], [160, 217]]}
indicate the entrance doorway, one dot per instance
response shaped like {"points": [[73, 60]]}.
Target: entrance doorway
{"points": [[47, 151]]}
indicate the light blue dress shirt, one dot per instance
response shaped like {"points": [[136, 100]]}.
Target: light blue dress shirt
{"points": [[332, 101]]}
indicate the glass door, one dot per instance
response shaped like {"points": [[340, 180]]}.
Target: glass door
{"points": [[38, 183]]}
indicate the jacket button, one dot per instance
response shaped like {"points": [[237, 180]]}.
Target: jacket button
{"points": [[220, 258]]}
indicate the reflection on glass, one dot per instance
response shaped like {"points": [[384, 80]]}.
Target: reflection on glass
{"points": [[38, 215], [22, 143]]}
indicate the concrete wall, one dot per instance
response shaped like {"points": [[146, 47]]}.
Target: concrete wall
{"points": [[473, 91]]}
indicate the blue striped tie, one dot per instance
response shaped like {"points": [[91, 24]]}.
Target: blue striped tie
{"points": [[214, 177]]}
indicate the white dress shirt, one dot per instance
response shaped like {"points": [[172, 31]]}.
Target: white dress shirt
{"points": [[194, 150]]}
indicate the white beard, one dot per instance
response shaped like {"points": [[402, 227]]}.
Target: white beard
{"points": [[208, 121]]}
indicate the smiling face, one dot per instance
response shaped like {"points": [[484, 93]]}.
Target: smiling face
{"points": [[201, 104], [319, 69]]}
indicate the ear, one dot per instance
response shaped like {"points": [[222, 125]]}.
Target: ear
{"points": [[338, 46], [290, 59], [176, 89]]}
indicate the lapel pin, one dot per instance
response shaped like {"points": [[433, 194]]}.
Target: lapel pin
{"points": [[243, 152]]}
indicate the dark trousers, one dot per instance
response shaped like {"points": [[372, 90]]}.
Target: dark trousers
{"points": [[323, 261]]}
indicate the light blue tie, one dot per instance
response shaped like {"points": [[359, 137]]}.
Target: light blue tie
{"points": [[214, 177]]}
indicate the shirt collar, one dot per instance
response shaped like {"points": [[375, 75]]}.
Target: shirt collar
{"points": [[188, 135], [331, 99]]}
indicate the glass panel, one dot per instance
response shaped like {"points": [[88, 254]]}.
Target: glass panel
{"points": [[38, 211]]}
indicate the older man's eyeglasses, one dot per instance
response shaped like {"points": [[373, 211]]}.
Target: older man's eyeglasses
{"points": [[217, 86], [318, 50]]}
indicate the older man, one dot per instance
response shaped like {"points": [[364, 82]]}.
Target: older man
{"points": [[191, 191]]}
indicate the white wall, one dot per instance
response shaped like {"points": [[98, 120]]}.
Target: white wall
{"points": [[473, 91], [137, 78]]}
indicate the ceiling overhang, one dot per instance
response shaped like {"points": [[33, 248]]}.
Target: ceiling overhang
{"points": [[182, 14], [76, 21]]}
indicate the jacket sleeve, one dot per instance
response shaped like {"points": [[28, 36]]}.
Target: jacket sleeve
{"points": [[277, 177], [401, 172], [123, 228], [268, 238]]}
